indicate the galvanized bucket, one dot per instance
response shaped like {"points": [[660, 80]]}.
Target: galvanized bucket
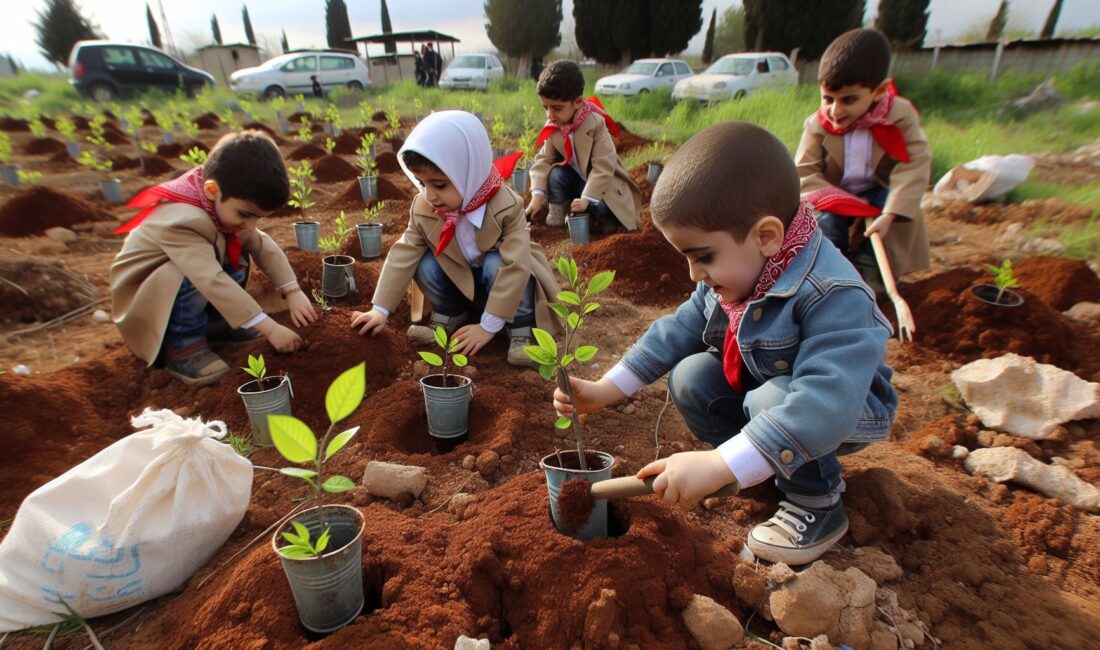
{"points": [[307, 233], [370, 239], [168, 138], [328, 590], [448, 408], [596, 526], [264, 402], [653, 172], [112, 190], [519, 180], [578, 228], [987, 293], [337, 276], [73, 148], [10, 174], [368, 187]]}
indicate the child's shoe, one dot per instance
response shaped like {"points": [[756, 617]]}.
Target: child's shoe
{"points": [[219, 331], [425, 334], [555, 216], [194, 363], [518, 337], [797, 535]]}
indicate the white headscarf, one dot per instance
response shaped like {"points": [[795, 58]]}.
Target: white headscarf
{"points": [[456, 143]]}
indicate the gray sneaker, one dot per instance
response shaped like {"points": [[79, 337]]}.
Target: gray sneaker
{"points": [[796, 535], [195, 365], [518, 337], [425, 334], [555, 216]]}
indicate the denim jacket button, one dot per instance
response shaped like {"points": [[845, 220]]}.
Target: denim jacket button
{"points": [[787, 456], [781, 364], [757, 313]]}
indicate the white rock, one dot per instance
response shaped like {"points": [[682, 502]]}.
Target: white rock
{"points": [[466, 643], [100, 316], [822, 600], [1088, 312], [713, 626], [958, 452], [1017, 395], [391, 480], [21, 371], [1000, 464], [57, 233]]}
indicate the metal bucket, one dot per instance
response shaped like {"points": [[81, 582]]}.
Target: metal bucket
{"points": [[368, 187], [653, 172], [370, 239], [578, 228], [168, 138], [10, 174], [111, 190], [337, 277], [448, 408], [306, 233], [596, 526], [73, 148], [519, 180], [328, 590], [987, 293], [262, 403]]}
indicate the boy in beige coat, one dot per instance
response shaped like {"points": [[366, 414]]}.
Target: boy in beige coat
{"points": [[577, 168], [178, 280], [864, 154]]}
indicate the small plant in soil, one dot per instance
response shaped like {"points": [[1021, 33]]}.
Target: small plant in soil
{"points": [[256, 369], [165, 121], [278, 104], [146, 149], [530, 136], [99, 133], [332, 116], [230, 120], [190, 129], [554, 360], [363, 158], [29, 177], [498, 132], [196, 157], [320, 299], [394, 120], [241, 444], [330, 145], [5, 149], [67, 128], [366, 111], [418, 108], [296, 442], [300, 189], [38, 129], [370, 213], [305, 133], [448, 346], [94, 161], [340, 231], [1003, 278]]}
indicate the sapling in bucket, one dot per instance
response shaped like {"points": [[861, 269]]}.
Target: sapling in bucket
{"points": [[337, 276], [446, 397], [1000, 292], [67, 128], [578, 225], [364, 159], [263, 396], [321, 549], [305, 232], [196, 157], [573, 306], [111, 188], [370, 232], [8, 171]]}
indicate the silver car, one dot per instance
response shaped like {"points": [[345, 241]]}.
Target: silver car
{"points": [[643, 76], [291, 74], [736, 75]]}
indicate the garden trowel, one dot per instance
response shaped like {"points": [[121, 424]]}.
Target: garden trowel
{"points": [[629, 486]]}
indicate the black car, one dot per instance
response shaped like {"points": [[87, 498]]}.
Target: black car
{"points": [[103, 70]]}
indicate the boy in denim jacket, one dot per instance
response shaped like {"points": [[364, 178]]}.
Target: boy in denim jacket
{"points": [[777, 359]]}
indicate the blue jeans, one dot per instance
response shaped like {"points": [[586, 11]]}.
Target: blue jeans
{"points": [[447, 299], [191, 312], [566, 184], [715, 413], [836, 228]]}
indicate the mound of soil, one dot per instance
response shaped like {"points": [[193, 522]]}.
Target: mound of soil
{"points": [[257, 126], [206, 121], [122, 161], [115, 137], [296, 119], [147, 118], [157, 166], [379, 116], [80, 121], [1059, 282], [49, 122], [309, 268], [1027, 213], [333, 169], [388, 164], [346, 144], [14, 124], [648, 270], [396, 143], [310, 151], [45, 290], [628, 141], [38, 208], [44, 146], [352, 198], [177, 149]]}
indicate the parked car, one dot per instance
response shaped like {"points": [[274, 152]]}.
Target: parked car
{"points": [[290, 74], [736, 75], [643, 76], [473, 71], [103, 70]]}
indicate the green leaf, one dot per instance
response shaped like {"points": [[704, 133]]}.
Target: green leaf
{"points": [[563, 267], [586, 352], [339, 440], [558, 308], [573, 320], [572, 271], [292, 438], [563, 423], [440, 337], [460, 360], [291, 537], [303, 532], [539, 355], [570, 298], [337, 484], [566, 360], [600, 281], [547, 370], [452, 345], [590, 307], [346, 392], [546, 342], [432, 358], [322, 541], [298, 472], [297, 552]]}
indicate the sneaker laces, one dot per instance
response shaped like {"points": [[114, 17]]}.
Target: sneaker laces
{"points": [[790, 524]]}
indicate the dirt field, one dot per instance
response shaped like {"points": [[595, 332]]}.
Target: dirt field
{"points": [[983, 565]]}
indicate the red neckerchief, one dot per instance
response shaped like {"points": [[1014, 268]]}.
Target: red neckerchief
{"points": [[185, 189], [590, 105], [490, 187], [840, 202], [885, 132], [798, 235]]}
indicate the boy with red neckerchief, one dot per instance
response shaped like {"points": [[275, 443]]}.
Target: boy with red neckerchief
{"points": [[863, 154], [178, 281], [577, 168]]}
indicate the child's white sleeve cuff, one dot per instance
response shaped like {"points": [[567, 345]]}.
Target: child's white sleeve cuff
{"points": [[491, 323], [590, 199], [625, 379], [538, 191], [746, 462], [381, 310], [254, 321]]}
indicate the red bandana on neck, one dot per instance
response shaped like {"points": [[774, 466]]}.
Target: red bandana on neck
{"points": [[185, 189], [590, 105], [885, 132], [490, 187], [798, 235]]}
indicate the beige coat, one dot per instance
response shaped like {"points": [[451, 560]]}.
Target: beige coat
{"points": [[607, 179], [504, 229], [180, 241], [820, 160]]}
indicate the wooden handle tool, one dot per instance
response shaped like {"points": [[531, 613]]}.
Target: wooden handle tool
{"points": [[629, 486]]}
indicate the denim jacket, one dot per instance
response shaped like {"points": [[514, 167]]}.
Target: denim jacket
{"points": [[820, 325]]}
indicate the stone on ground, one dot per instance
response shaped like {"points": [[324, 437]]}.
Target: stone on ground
{"points": [[391, 480], [1000, 464], [713, 626], [466, 643]]}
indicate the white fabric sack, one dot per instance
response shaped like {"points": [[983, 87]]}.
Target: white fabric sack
{"points": [[129, 524], [999, 176]]}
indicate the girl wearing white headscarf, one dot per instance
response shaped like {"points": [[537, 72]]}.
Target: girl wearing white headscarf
{"points": [[467, 245]]}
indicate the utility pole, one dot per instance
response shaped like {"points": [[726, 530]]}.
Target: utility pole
{"points": [[169, 43]]}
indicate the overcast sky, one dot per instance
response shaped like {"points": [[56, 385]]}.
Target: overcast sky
{"points": [[303, 20]]}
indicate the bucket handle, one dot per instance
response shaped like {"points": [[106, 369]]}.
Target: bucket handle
{"points": [[351, 278], [289, 385]]}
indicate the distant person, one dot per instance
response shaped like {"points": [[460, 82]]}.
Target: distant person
{"points": [[863, 154], [178, 283], [536, 67], [318, 91], [435, 64], [578, 132], [418, 63]]}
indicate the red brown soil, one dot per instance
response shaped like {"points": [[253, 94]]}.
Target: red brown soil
{"points": [[388, 164], [176, 149], [35, 209], [80, 122], [122, 161], [310, 151], [157, 166], [308, 268], [296, 118], [43, 146], [352, 196], [13, 124], [574, 504], [333, 169], [207, 121], [346, 144], [39, 290], [257, 126], [1029, 212], [147, 118], [50, 123], [1059, 282], [379, 116], [115, 137], [627, 141], [396, 143]]}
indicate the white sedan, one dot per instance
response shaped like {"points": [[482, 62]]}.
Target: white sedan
{"points": [[737, 75], [473, 71], [643, 76]]}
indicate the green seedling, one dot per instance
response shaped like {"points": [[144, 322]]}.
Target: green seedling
{"points": [[418, 108], [94, 162], [67, 128], [5, 148], [246, 106], [340, 231], [278, 104], [330, 145], [99, 133], [554, 360], [530, 135], [320, 299], [448, 345], [196, 157], [1002, 277], [190, 129], [366, 112], [165, 120], [149, 147], [300, 189], [241, 444], [364, 156], [256, 368], [332, 116], [497, 131], [28, 177], [38, 129], [394, 121], [300, 99], [370, 213], [305, 133], [296, 442]]}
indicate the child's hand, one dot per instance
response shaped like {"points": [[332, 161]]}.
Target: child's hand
{"points": [[881, 225], [471, 338], [589, 395], [369, 320], [301, 309], [538, 202], [284, 339], [686, 478], [578, 206]]}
